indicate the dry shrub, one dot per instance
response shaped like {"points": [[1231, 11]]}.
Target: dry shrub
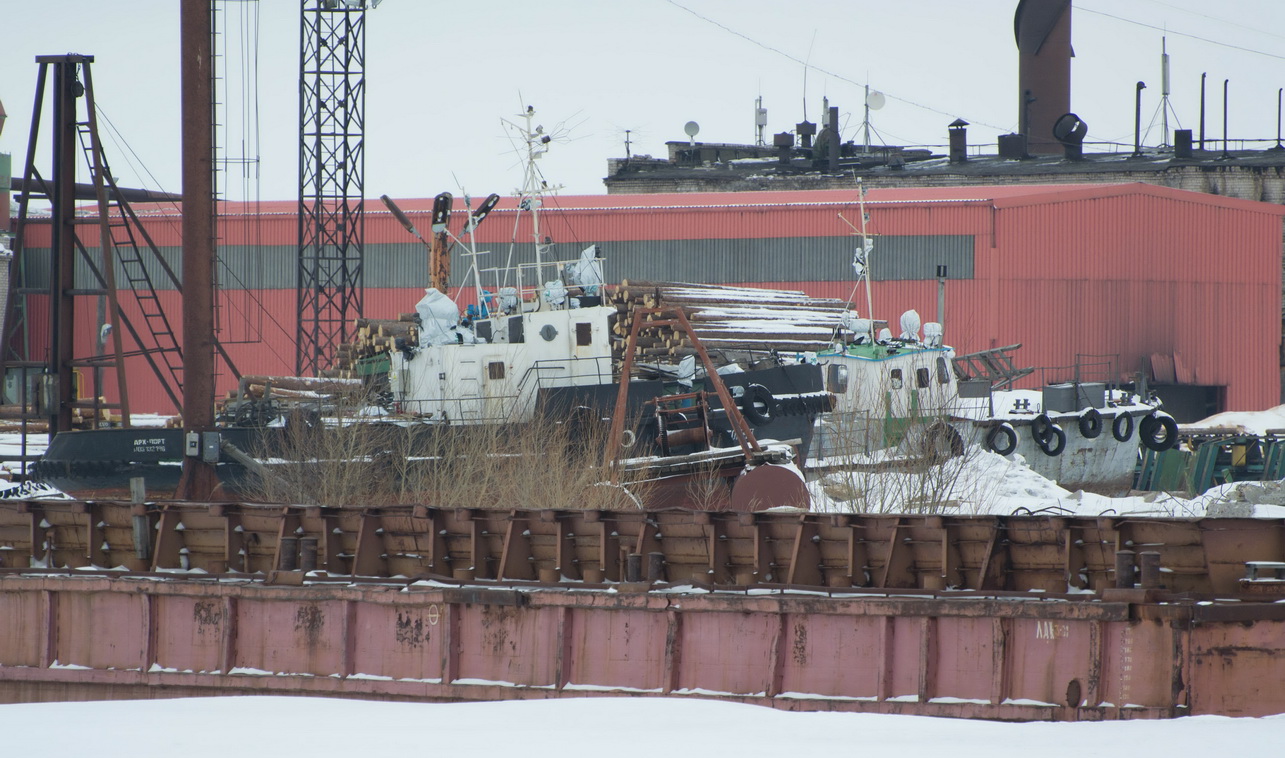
{"points": [[553, 461], [914, 463]]}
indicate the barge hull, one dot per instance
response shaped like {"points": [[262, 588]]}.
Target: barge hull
{"points": [[999, 658]]}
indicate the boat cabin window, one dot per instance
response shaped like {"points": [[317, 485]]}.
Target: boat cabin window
{"points": [[836, 378], [943, 370], [922, 377], [894, 378], [584, 334], [495, 370]]}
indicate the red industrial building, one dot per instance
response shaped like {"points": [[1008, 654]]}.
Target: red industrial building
{"points": [[1183, 287]]}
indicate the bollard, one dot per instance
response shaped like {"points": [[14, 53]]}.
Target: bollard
{"points": [[1149, 568], [633, 567], [142, 537], [288, 560], [137, 490], [655, 567], [308, 554], [1124, 570]]}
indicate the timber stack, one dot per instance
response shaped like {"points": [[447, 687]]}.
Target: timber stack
{"points": [[730, 320], [371, 338]]}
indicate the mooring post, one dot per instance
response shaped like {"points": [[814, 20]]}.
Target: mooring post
{"points": [[1124, 569]]}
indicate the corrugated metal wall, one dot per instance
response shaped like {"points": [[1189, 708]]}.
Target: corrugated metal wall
{"points": [[1109, 270]]}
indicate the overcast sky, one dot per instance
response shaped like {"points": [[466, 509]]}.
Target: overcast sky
{"points": [[442, 75]]}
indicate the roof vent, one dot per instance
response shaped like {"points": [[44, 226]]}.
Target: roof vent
{"points": [[1012, 146], [1070, 131], [958, 141]]}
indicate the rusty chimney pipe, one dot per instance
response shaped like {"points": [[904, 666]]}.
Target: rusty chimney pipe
{"points": [[958, 140], [1043, 32]]}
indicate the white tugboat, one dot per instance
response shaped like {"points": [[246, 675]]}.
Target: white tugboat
{"points": [[913, 392]]}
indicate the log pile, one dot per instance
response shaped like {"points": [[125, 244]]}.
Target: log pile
{"points": [[371, 337], [16, 418], [737, 319]]}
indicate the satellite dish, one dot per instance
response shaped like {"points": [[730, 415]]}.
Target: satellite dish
{"points": [[875, 100], [691, 128]]}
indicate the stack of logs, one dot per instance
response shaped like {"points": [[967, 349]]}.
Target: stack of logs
{"points": [[371, 337], [12, 418], [727, 319]]}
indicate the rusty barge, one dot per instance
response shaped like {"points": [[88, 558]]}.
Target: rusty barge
{"points": [[1030, 617]]}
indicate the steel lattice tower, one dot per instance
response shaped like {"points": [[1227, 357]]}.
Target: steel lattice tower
{"points": [[332, 102]]}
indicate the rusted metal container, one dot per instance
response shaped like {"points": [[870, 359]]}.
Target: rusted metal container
{"points": [[1007, 657]]}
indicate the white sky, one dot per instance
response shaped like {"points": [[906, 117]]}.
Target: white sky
{"points": [[440, 76]]}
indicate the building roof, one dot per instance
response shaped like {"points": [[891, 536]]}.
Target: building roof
{"points": [[999, 195]]}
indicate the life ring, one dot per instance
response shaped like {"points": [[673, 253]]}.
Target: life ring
{"points": [[1009, 439], [1040, 426], [628, 438], [1053, 442], [1122, 427], [1090, 424], [1158, 432], [758, 405]]}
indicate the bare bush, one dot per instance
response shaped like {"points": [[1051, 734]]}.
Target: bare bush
{"points": [[341, 459]]}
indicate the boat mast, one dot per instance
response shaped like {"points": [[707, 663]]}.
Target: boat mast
{"points": [[861, 256], [531, 195]]}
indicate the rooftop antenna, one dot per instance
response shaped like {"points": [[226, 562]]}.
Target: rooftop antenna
{"points": [[873, 102], [1165, 107], [760, 120], [691, 129], [807, 64]]}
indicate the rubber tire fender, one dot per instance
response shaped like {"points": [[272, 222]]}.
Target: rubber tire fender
{"points": [[1054, 442], [1009, 435], [1040, 426], [1090, 424], [757, 404], [1165, 424], [1122, 427]]}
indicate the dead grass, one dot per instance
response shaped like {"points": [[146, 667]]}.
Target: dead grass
{"points": [[554, 461]]}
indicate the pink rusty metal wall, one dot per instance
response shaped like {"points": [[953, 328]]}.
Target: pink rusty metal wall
{"points": [[1003, 657]]}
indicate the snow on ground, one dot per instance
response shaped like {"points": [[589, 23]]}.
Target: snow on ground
{"points": [[982, 482], [1250, 423], [617, 727]]}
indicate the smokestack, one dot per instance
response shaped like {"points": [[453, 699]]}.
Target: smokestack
{"points": [[1043, 32]]}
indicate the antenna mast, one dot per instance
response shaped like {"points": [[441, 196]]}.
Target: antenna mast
{"points": [[1165, 107]]}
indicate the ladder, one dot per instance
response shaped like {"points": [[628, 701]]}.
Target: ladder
{"points": [[119, 244]]}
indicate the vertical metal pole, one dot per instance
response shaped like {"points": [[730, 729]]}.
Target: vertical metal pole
{"points": [[1137, 120], [1202, 111], [1278, 119], [941, 297], [1225, 153], [199, 478], [62, 276]]}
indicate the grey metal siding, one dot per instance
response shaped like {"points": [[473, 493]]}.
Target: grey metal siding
{"points": [[780, 259]]}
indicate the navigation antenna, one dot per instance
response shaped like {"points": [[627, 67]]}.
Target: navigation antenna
{"points": [[861, 255], [530, 196]]}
